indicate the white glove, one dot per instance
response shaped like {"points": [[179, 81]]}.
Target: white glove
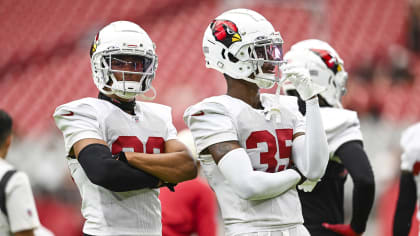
{"points": [[301, 80], [308, 185]]}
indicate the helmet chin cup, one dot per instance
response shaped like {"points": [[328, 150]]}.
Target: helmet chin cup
{"points": [[265, 84], [126, 89]]}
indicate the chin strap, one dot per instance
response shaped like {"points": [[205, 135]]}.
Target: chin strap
{"points": [[151, 97], [274, 108], [125, 106]]}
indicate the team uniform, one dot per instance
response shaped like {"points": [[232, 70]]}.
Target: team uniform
{"points": [[20, 205], [410, 162], [136, 212], [267, 141], [325, 202]]}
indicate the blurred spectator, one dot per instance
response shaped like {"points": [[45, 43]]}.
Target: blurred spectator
{"points": [[381, 85], [414, 26], [192, 207], [18, 216]]}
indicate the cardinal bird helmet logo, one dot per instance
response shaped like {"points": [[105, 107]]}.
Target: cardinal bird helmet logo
{"points": [[225, 31]]}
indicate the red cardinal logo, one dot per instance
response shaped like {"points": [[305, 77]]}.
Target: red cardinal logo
{"points": [[328, 59], [225, 32]]}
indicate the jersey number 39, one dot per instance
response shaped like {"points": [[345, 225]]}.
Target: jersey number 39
{"points": [[134, 144], [279, 148]]}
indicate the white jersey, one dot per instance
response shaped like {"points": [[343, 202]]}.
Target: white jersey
{"points": [[267, 140], [410, 159], [136, 212], [341, 126], [20, 203]]}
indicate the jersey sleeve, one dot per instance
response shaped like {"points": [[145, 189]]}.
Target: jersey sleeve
{"points": [[163, 116], [411, 149], [341, 126], [209, 123], [77, 120], [20, 204], [171, 133]]}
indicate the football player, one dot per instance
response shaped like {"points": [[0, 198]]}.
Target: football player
{"points": [[120, 151], [323, 208], [260, 147], [409, 181]]}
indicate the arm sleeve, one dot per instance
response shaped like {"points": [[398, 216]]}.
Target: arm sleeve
{"points": [[101, 169], [310, 152], [356, 162], [20, 204], [236, 167], [405, 205]]}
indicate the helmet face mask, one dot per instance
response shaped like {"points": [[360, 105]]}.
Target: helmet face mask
{"points": [[243, 45], [123, 60], [267, 56], [325, 67]]}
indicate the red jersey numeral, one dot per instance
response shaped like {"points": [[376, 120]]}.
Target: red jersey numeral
{"points": [[282, 146], [416, 168], [124, 142]]}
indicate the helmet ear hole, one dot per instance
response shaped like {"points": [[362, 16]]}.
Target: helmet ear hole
{"points": [[232, 58], [333, 82], [223, 53]]}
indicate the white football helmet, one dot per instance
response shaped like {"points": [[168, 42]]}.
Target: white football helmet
{"points": [[244, 45], [123, 48], [325, 67]]}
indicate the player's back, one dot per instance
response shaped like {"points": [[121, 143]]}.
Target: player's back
{"points": [[268, 145], [116, 213]]}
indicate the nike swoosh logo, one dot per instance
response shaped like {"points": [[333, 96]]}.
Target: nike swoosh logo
{"points": [[198, 113], [68, 114]]}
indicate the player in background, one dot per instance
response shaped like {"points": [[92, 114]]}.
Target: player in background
{"points": [[323, 208], [120, 151], [255, 148], [409, 181], [18, 216], [192, 208]]}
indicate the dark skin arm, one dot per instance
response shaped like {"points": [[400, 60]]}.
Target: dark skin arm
{"points": [[29, 232], [79, 145], [174, 165]]}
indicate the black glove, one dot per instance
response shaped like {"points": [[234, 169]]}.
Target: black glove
{"points": [[170, 186], [120, 157]]}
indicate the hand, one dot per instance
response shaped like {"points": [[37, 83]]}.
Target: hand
{"points": [[120, 157], [342, 229], [308, 185], [301, 80]]}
